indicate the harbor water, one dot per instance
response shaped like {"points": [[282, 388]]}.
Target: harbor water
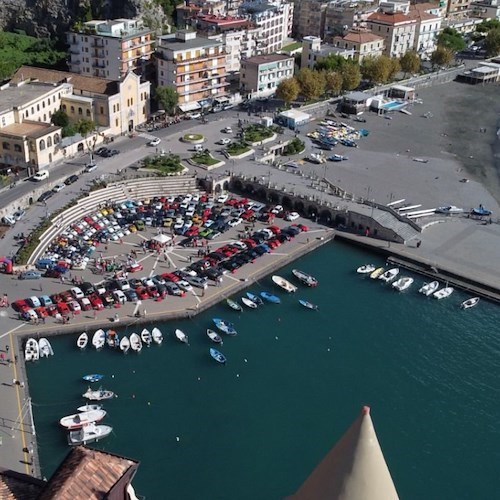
{"points": [[294, 381]]}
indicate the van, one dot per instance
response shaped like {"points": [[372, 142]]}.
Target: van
{"points": [[198, 147], [119, 297], [41, 175]]}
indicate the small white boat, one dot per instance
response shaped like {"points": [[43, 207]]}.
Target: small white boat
{"points": [[135, 342], [367, 268], [249, 303], [443, 293], [99, 339], [181, 336], [88, 407], [31, 350], [124, 344], [98, 395], [304, 278], [88, 434], [389, 275], [112, 339], [146, 337], [78, 420], [429, 288], [467, 304], [403, 283], [45, 348], [214, 336], [283, 283], [82, 340], [375, 274], [157, 335]]}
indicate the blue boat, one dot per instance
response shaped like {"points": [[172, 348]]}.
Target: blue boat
{"points": [[218, 356], [255, 298], [270, 297], [224, 326], [308, 304], [481, 211], [93, 377]]}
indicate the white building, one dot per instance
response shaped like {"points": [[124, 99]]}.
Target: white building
{"points": [[313, 49]]}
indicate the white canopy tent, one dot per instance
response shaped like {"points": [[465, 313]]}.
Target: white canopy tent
{"points": [[162, 239]]}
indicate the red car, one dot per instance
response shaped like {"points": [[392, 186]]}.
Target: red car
{"points": [[247, 214], [192, 231], [136, 267], [63, 308], [41, 312], [303, 228], [170, 277], [96, 302], [56, 298], [142, 293], [275, 229], [249, 243], [67, 296], [153, 292], [20, 306], [52, 310]]}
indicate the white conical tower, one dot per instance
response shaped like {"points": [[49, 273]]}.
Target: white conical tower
{"points": [[354, 469]]}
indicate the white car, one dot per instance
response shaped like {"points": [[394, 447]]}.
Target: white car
{"points": [[194, 116], [277, 209], [184, 285], [58, 187], [228, 130], [222, 198], [224, 141], [154, 142], [235, 222], [77, 293], [292, 216], [90, 167]]}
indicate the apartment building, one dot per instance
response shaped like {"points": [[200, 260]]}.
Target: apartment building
{"points": [[428, 27], [194, 66], [363, 42], [343, 15], [111, 49], [275, 18], [260, 75], [309, 18], [458, 9], [314, 49], [486, 9]]}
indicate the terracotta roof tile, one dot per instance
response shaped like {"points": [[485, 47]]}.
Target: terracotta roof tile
{"points": [[16, 486], [80, 82], [86, 474], [384, 18], [361, 37]]}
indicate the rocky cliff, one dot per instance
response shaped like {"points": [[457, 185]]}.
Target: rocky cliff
{"points": [[53, 17]]}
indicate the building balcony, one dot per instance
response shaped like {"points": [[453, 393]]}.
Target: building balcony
{"points": [[97, 64], [220, 53], [97, 43], [74, 50], [201, 89], [141, 55], [98, 55], [136, 44]]}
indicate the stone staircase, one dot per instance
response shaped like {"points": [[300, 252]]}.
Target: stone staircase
{"points": [[135, 189], [390, 221]]}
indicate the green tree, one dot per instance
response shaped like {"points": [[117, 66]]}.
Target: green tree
{"points": [[442, 56], [168, 98], [492, 42], [333, 81], [351, 76], [332, 62], [394, 67], [451, 39], [410, 62], [487, 26], [377, 69], [288, 90], [60, 118], [87, 128], [312, 83]]}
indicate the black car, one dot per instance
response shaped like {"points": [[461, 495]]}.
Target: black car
{"points": [[71, 179], [87, 288], [101, 151], [45, 196], [131, 295]]}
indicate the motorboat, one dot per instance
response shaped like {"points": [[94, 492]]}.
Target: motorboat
{"points": [[449, 210], [255, 298], [124, 344], [88, 434], [82, 418], [305, 278], [429, 288], [31, 350], [135, 342], [316, 158], [88, 407], [98, 395], [338, 157], [224, 326], [480, 211], [467, 304], [234, 305], [146, 337], [389, 275], [375, 274], [308, 304], [157, 335], [94, 377], [249, 303], [443, 293], [181, 336], [270, 297], [366, 269], [218, 356], [82, 340], [283, 283], [112, 339], [45, 348], [99, 338], [403, 283], [214, 336]]}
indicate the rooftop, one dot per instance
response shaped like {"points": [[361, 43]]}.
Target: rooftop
{"points": [[33, 130], [17, 96], [270, 58], [173, 43], [388, 18], [115, 28], [224, 21], [90, 84], [361, 36], [16, 486]]}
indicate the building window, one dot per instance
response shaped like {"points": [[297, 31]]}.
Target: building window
{"points": [[72, 110], [64, 107], [56, 139], [18, 148], [49, 141], [44, 117], [101, 110], [116, 122], [6, 145], [42, 145], [80, 111], [32, 110], [38, 107], [87, 112]]}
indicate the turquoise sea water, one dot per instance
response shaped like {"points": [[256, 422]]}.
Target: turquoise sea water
{"points": [[294, 381]]}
